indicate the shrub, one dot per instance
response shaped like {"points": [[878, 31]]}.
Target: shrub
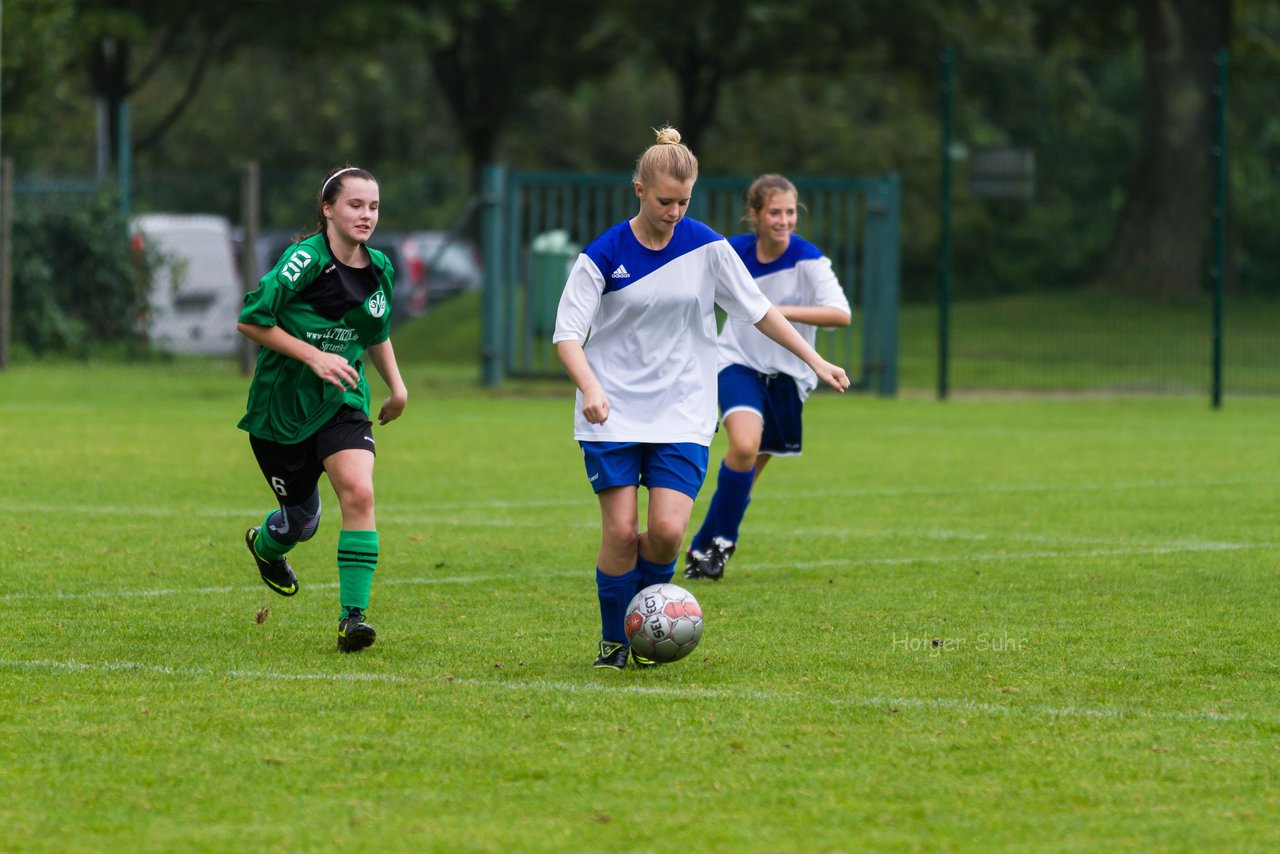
{"points": [[78, 286]]}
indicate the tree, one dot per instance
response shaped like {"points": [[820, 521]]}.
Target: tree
{"points": [[33, 63], [126, 42], [702, 45], [489, 56], [705, 45], [1158, 245]]}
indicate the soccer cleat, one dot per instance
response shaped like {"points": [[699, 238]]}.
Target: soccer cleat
{"points": [[354, 634], [643, 663], [693, 562], [276, 574], [709, 563], [718, 554], [612, 654]]}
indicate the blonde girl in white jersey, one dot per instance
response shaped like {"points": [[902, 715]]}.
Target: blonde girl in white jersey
{"points": [[641, 298]]}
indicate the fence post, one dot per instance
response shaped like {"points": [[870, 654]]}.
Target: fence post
{"points": [[250, 208], [881, 295], [872, 244], [944, 226], [6, 260], [124, 165], [6, 253], [890, 275], [493, 185], [1218, 265]]}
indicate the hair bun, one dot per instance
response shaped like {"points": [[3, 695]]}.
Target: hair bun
{"points": [[668, 135]]}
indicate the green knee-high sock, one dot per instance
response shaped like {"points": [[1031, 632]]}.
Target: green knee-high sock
{"points": [[266, 547], [357, 558]]}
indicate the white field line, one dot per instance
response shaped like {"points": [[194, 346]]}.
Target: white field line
{"points": [[996, 557], [538, 686], [524, 574], [240, 588], [412, 511], [1015, 488], [254, 514], [945, 535]]}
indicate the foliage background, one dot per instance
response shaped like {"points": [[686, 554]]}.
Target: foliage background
{"points": [[87, 298], [419, 90], [858, 95]]}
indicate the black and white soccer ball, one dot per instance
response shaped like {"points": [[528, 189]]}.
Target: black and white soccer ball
{"points": [[664, 622]]}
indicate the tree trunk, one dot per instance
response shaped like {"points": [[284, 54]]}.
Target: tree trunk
{"points": [[1157, 248], [699, 76]]}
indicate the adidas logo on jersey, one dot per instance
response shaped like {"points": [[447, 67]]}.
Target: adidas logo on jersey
{"points": [[621, 273]]}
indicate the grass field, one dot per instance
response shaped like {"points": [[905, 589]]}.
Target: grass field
{"points": [[1057, 341], [1082, 341], [1012, 624]]}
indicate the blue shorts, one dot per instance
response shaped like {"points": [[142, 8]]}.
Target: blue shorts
{"points": [[774, 397], [681, 466]]}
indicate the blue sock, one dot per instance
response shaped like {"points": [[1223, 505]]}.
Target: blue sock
{"points": [[728, 506], [654, 573], [616, 593]]}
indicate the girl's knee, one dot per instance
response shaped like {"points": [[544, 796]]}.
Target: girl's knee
{"points": [[357, 499], [666, 535], [742, 459], [742, 452], [620, 535]]}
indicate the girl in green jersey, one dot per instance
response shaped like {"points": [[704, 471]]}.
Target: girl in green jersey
{"points": [[324, 307]]}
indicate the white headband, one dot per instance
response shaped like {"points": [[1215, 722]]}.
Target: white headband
{"points": [[335, 175]]}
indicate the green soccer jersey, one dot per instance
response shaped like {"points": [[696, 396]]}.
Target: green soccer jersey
{"points": [[339, 309]]}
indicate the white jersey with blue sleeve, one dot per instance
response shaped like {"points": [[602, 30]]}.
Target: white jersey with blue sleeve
{"points": [[802, 275], [647, 318]]}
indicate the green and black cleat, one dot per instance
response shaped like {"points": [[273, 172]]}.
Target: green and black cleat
{"points": [[612, 654], [354, 634], [276, 574], [643, 663]]}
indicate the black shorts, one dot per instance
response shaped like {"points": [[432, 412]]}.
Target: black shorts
{"points": [[294, 470]]}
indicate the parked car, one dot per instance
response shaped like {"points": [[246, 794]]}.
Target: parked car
{"points": [[436, 268], [197, 289]]}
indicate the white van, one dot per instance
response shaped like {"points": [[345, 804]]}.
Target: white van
{"points": [[197, 291]]}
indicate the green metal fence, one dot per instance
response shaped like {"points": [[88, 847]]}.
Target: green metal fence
{"points": [[540, 221], [1037, 154]]}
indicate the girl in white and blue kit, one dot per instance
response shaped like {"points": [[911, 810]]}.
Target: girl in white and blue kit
{"points": [[762, 386], [636, 331]]}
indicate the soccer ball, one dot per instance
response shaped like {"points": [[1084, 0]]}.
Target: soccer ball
{"points": [[664, 622]]}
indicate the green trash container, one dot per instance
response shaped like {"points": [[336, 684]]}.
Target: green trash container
{"points": [[551, 257]]}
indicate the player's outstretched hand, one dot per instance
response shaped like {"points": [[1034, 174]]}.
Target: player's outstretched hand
{"points": [[833, 375], [392, 408]]}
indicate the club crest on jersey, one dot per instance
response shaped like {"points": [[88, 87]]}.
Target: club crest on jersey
{"points": [[378, 304]]}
